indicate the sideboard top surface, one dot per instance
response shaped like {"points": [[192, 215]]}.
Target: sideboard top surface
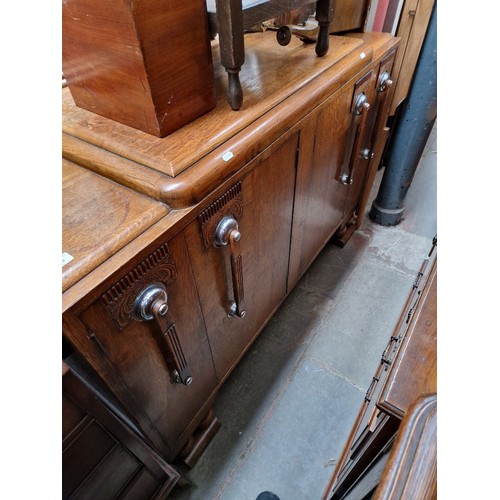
{"points": [[270, 73]]}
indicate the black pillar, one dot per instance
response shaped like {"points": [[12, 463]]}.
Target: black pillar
{"points": [[410, 137]]}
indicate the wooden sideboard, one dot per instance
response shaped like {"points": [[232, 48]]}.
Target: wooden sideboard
{"points": [[405, 377], [182, 248]]}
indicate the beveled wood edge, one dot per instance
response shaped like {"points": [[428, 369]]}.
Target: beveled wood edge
{"points": [[153, 182], [175, 168], [82, 265], [192, 185], [381, 45], [421, 413], [95, 282]]}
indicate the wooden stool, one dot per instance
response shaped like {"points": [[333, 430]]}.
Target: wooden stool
{"points": [[230, 18]]}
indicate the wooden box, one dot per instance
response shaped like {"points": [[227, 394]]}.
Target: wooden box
{"points": [[146, 64], [349, 15]]}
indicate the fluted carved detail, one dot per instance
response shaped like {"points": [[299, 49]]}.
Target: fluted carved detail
{"points": [[119, 299], [230, 203]]}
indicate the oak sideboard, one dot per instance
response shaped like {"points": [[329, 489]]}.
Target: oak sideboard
{"points": [[180, 249]]}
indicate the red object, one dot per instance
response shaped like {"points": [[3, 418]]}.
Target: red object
{"points": [[378, 22]]}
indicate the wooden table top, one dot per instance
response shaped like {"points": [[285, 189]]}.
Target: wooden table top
{"points": [[99, 217]]}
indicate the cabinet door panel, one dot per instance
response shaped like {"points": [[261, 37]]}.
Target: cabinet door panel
{"points": [[360, 153], [377, 133], [264, 221], [316, 219], [131, 348]]}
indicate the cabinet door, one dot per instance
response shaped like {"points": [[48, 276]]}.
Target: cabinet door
{"points": [[357, 155], [164, 362], [331, 135], [255, 274], [377, 132]]}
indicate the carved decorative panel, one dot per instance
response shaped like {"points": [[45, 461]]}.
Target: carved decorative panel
{"points": [[119, 299], [230, 203]]}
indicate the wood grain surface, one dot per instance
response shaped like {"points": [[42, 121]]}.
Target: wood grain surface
{"points": [[99, 218], [267, 77], [137, 63]]}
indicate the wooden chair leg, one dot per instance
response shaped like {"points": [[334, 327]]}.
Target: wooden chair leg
{"points": [[325, 10], [232, 48]]}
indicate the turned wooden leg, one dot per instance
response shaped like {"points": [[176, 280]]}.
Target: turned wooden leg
{"points": [[325, 10], [232, 48], [234, 90]]}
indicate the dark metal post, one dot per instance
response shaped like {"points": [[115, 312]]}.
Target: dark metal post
{"points": [[407, 144]]}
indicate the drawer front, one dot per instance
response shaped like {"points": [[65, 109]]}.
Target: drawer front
{"points": [[148, 325]]}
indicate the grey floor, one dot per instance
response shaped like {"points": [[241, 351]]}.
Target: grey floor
{"points": [[288, 407]]}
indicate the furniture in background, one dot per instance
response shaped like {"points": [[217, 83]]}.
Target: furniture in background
{"points": [[230, 19], [349, 15], [417, 115], [412, 27], [406, 372], [411, 468]]}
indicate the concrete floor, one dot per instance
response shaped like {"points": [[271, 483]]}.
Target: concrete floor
{"points": [[288, 407]]}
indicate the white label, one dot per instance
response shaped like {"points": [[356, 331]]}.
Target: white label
{"points": [[66, 257], [227, 156], [362, 55]]}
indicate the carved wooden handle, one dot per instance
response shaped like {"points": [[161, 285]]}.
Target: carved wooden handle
{"points": [[237, 272], [227, 233], [151, 304]]}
